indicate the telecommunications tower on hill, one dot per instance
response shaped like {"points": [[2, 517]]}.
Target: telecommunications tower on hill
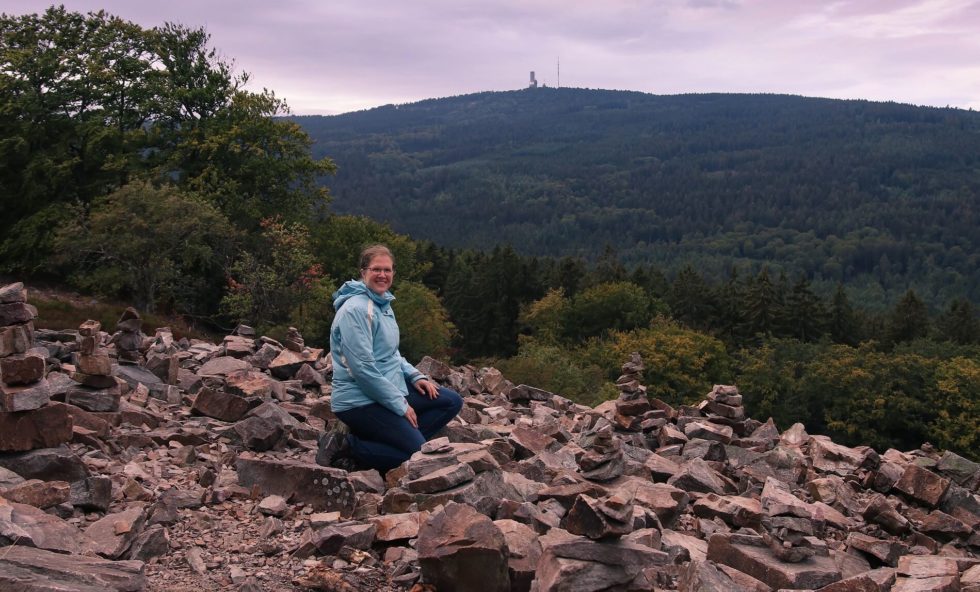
{"points": [[534, 82]]}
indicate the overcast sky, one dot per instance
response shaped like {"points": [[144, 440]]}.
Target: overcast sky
{"points": [[333, 56]]}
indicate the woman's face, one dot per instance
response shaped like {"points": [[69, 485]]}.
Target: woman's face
{"points": [[378, 274]]}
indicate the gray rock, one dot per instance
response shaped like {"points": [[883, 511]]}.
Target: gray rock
{"points": [[46, 464], [324, 489]]}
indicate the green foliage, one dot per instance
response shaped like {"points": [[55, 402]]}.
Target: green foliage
{"points": [[681, 365], [339, 240], [957, 403], [878, 196], [278, 281], [861, 395], [90, 102], [909, 320], [544, 318], [422, 322], [152, 246], [616, 306], [959, 323], [569, 373]]}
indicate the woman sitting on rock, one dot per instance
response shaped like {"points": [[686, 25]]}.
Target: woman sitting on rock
{"points": [[390, 408]]}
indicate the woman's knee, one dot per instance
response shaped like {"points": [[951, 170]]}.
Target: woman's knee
{"points": [[451, 399]]}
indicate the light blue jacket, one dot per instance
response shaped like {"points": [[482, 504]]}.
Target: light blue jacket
{"points": [[367, 366]]}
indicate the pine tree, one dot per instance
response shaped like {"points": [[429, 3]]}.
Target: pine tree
{"points": [[806, 315], [909, 320], [843, 323], [762, 308], [959, 323]]}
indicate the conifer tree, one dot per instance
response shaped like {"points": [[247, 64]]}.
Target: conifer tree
{"points": [[909, 320], [959, 323]]}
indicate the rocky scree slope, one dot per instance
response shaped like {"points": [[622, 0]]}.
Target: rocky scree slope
{"points": [[136, 462]]}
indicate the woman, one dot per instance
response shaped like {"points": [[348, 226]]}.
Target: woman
{"points": [[389, 406]]}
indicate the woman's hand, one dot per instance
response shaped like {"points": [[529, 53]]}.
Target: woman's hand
{"points": [[427, 387], [410, 416]]}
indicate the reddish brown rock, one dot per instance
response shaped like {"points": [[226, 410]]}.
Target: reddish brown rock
{"points": [[396, 527], [24, 397], [37, 493], [523, 553], [97, 363], [885, 551], [16, 339], [32, 527], [21, 368], [222, 405], [922, 485], [46, 427], [462, 550], [442, 479], [576, 563], [48, 571], [329, 540], [760, 563], [288, 362], [734, 510], [112, 535], [589, 517], [15, 313]]}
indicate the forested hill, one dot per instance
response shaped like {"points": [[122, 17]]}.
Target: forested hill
{"points": [[880, 196]]}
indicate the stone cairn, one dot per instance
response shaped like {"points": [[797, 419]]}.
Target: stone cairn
{"points": [[28, 420], [98, 389], [128, 338]]}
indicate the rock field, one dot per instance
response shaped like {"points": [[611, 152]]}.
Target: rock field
{"points": [[133, 461]]}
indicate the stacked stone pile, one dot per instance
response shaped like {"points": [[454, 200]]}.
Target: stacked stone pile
{"points": [[98, 389], [128, 338], [28, 420], [216, 488]]}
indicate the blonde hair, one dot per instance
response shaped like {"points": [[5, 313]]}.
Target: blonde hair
{"points": [[372, 251]]}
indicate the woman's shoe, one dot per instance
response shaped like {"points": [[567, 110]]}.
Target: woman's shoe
{"points": [[331, 443]]}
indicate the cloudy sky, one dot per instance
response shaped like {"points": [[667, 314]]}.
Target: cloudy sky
{"points": [[333, 56]]}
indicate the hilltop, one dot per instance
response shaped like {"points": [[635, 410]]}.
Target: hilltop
{"points": [[879, 196]]}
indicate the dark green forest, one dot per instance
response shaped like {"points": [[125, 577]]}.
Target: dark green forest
{"points": [[819, 254], [882, 197]]}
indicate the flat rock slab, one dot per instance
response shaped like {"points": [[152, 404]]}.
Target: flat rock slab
{"points": [[46, 464], [761, 564], [579, 564], [322, 488], [25, 569], [922, 485], [222, 366], [222, 405], [32, 527]]}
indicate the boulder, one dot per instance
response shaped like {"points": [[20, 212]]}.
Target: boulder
{"points": [[462, 550], [28, 569], [760, 563], [44, 427], [321, 488]]}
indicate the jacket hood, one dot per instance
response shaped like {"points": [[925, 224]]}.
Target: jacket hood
{"points": [[352, 288]]}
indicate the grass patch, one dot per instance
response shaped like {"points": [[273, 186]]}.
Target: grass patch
{"points": [[63, 314]]}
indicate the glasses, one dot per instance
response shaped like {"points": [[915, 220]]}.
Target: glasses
{"points": [[380, 270]]}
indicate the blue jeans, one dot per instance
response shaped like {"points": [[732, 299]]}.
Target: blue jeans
{"points": [[380, 439]]}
